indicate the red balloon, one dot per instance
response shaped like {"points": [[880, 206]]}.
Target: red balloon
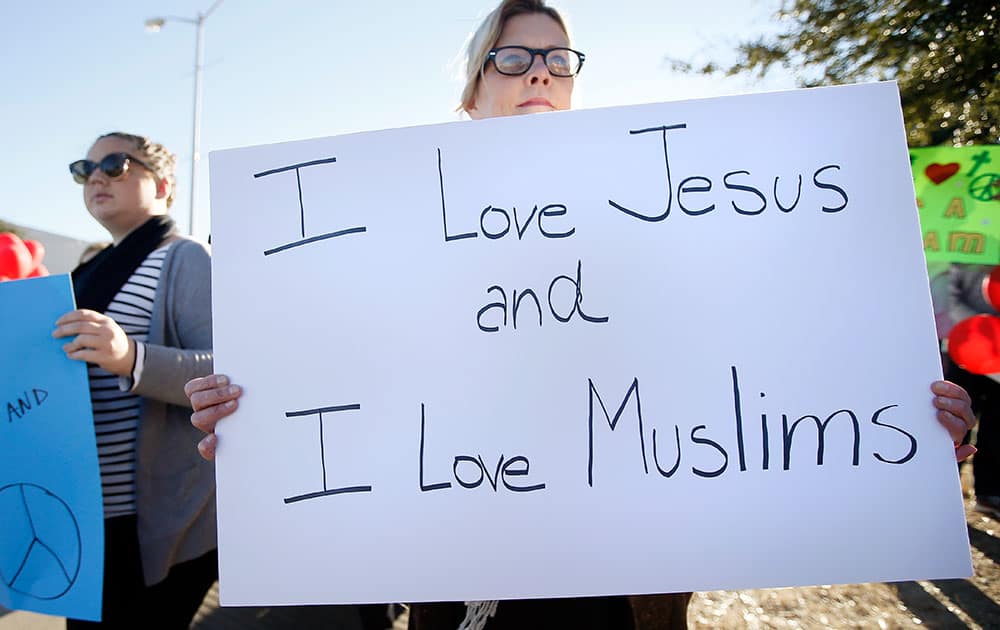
{"points": [[37, 251], [38, 272], [15, 259], [974, 344]]}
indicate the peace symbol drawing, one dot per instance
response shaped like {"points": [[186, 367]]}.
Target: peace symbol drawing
{"points": [[42, 556], [985, 187]]}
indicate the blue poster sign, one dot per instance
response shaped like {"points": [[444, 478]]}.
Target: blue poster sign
{"points": [[52, 538]]}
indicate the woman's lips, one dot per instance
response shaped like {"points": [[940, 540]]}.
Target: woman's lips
{"points": [[537, 102]]}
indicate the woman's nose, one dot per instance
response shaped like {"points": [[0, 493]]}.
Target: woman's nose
{"points": [[538, 72], [97, 176]]}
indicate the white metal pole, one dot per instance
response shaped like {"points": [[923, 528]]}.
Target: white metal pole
{"points": [[196, 119]]}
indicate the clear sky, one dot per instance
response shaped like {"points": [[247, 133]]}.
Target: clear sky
{"points": [[277, 71]]}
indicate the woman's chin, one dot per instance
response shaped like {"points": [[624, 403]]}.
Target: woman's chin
{"points": [[534, 109]]}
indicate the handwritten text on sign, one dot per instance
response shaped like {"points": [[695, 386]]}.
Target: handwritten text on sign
{"points": [[645, 349]]}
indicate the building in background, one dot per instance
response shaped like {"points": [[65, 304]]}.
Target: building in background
{"points": [[62, 253]]}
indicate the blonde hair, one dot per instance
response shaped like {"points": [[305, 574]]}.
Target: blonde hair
{"points": [[485, 38], [156, 155], [92, 250]]}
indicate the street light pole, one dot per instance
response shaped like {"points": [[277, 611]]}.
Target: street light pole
{"points": [[196, 116], [154, 25]]}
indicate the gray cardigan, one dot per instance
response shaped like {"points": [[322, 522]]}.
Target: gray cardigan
{"points": [[175, 487]]}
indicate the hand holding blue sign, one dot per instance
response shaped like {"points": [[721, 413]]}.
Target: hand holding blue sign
{"points": [[97, 339]]}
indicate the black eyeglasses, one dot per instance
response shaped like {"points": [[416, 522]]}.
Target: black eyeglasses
{"points": [[114, 165], [516, 60]]}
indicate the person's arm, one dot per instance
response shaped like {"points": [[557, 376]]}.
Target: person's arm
{"points": [[166, 369]]}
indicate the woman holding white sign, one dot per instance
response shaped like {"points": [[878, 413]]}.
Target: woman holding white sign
{"points": [[520, 61]]}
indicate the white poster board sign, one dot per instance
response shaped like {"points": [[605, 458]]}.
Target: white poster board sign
{"points": [[667, 347]]}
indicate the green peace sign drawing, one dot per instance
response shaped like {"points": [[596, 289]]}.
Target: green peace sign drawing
{"points": [[985, 187]]}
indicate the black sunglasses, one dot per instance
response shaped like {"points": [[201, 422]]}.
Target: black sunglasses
{"points": [[114, 165], [516, 60]]}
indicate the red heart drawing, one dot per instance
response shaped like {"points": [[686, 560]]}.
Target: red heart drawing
{"points": [[937, 173]]}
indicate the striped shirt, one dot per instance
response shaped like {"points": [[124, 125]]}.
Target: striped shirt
{"points": [[116, 413]]}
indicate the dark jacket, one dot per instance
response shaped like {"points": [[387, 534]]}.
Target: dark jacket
{"points": [[638, 612]]}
